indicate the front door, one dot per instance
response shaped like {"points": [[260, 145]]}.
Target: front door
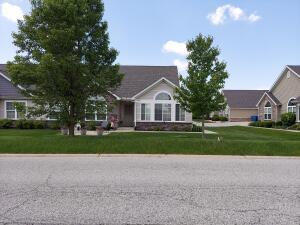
{"points": [[128, 116]]}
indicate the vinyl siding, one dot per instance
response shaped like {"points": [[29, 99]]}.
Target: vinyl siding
{"points": [[243, 113], [287, 88]]}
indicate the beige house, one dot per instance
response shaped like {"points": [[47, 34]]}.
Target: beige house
{"points": [[144, 100], [284, 96], [241, 104]]}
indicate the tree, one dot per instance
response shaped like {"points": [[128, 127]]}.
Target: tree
{"points": [[199, 91], [64, 59]]}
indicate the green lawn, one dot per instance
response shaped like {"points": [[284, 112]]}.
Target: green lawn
{"points": [[235, 141]]}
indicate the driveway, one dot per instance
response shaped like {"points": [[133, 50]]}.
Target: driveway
{"points": [[149, 190]]}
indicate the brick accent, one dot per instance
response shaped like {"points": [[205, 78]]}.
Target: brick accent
{"points": [[163, 126]]}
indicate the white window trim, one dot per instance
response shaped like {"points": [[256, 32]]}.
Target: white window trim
{"points": [[152, 110], [179, 113], [163, 92], [294, 106], [266, 108], [162, 110], [145, 120], [95, 118], [5, 102]]}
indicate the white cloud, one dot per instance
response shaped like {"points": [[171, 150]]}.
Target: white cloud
{"points": [[181, 65], [11, 12], [253, 18], [175, 47], [228, 11]]}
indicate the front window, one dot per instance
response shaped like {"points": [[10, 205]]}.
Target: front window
{"points": [[145, 112], [12, 111], [268, 111], [163, 112], [291, 106], [95, 115], [180, 113]]}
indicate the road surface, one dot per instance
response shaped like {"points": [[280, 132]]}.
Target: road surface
{"points": [[149, 190]]}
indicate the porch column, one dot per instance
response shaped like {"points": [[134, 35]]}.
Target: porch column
{"points": [[134, 106]]}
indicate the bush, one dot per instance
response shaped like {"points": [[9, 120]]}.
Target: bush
{"points": [[278, 124], [38, 124], [223, 118], [91, 125], [6, 124], [295, 127], [288, 119], [55, 125], [196, 128], [215, 118], [254, 124], [268, 124], [25, 124]]}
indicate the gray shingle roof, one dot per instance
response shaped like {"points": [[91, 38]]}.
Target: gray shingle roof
{"points": [[137, 78], [297, 100], [295, 68], [7, 89], [243, 98], [274, 98]]}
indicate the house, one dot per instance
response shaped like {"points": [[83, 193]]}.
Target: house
{"points": [[283, 96], [241, 104], [144, 100]]}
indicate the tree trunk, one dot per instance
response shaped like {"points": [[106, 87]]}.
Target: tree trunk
{"points": [[203, 133], [71, 122], [71, 129]]}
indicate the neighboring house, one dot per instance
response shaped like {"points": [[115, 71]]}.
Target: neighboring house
{"points": [[144, 100], [241, 104], [284, 96]]}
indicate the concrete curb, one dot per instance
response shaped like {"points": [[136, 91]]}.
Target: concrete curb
{"points": [[148, 155]]}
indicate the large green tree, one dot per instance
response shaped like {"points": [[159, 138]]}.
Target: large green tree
{"points": [[200, 90], [64, 58]]}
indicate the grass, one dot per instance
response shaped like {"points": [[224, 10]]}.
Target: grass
{"points": [[235, 141]]}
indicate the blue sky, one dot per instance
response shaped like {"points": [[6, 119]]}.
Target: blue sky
{"points": [[257, 38]]}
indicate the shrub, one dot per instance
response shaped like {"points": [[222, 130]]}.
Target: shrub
{"points": [[278, 124], [223, 118], [196, 128], [38, 124], [91, 125], [268, 124], [20, 124], [54, 125], [215, 118], [6, 124], [288, 119], [295, 127], [254, 124]]}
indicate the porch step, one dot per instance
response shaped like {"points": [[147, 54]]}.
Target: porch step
{"points": [[124, 129]]}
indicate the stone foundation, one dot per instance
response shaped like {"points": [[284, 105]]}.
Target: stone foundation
{"points": [[163, 126]]}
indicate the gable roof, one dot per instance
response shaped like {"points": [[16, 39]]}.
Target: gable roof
{"points": [[7, 89], [138, 78], [271, 97], [295, 69], [135, 80], [243, 98]]}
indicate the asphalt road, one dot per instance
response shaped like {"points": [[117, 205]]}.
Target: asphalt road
{"points": [[149, 190]]}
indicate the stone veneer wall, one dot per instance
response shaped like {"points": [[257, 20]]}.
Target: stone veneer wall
{"points": [[163, 126]]}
